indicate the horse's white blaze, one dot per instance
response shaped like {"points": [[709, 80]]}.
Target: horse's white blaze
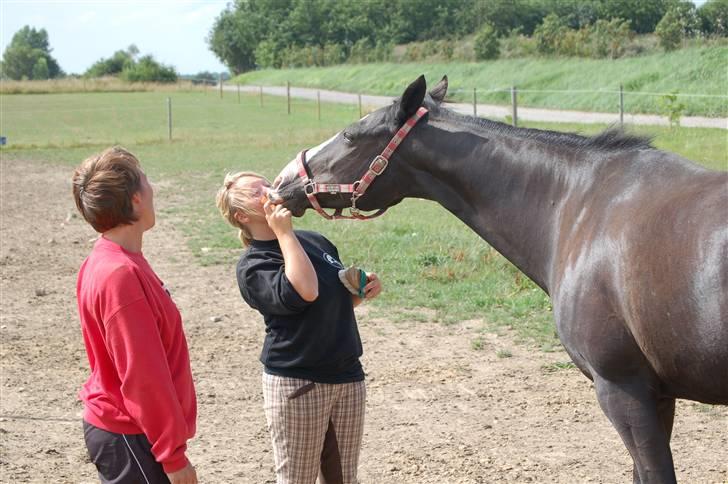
{"points": [[288, 173], [291, 169], [314, 151]]}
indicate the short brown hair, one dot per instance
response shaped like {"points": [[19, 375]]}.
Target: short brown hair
{"points": [[103, 186]]}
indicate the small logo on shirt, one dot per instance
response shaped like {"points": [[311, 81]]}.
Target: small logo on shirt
{"points": [[333, 261]]}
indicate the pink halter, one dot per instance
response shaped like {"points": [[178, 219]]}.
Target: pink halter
{"points": [[359, 187]]}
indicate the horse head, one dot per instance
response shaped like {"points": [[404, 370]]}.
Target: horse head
{"points": [[345, 159]]}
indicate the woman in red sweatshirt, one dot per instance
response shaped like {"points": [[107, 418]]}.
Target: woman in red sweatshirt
{"points": [[139, 401]]}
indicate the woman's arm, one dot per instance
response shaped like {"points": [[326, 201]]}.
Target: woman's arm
{"points": [[298, 267]]}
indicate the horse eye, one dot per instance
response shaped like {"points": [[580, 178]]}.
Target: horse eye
{"points": [[347, 136]]}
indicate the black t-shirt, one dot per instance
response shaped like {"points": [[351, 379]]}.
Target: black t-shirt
{"points": [[317, 341]]}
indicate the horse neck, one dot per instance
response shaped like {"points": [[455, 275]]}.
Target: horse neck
{"points": [[507, 190]]}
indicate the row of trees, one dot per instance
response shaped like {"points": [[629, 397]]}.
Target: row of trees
{"points": [[274, 33], [28, 56]]}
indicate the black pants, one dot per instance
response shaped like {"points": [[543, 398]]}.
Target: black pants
{"points": [[122, 458]]}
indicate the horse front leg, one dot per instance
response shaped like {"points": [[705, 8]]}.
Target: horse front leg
{"points": [[644, 422]]}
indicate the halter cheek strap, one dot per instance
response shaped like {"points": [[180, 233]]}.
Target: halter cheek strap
{"points": [[359, 187]]}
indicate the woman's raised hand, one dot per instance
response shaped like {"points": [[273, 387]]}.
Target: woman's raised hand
{"points": [[278, 218]]}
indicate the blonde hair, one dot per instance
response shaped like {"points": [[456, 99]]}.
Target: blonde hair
{"points": [[232, 198], [103, 186]]}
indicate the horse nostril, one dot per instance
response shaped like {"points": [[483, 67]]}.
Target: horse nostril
{"points": [[274, 197]]}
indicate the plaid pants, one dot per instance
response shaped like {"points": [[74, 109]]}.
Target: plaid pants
{"points": [[316, 429]]}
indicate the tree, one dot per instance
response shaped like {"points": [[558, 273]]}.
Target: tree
{"points": [[687, 16], [28, 56], [233, 39], [643, 15], [40, 69], [713, 16]]}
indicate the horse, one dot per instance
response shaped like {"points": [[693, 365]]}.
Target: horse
{"points": [[629, 242]]}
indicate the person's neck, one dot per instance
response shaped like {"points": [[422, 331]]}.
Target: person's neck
{"points": [[261, 232], [127, 236]]}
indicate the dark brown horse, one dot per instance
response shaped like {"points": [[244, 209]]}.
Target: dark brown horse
{"points": [[630, 243]]}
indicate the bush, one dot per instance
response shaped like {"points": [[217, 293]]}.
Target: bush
{"points": [[114, 65], [294, 56], [486, 43], [550, 33], [360, 51], [447, 49], [575, 43], [516, 45], [671, 108], [267, 54], [382, 52], [334, 54], [149, 70], [670, 31], [610, 38]]}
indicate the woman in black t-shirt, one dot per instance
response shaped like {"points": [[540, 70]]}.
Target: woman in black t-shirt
{"points": [[313, 382]]}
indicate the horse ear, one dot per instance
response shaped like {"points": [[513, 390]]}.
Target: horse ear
{"points": [[412, 99], [439, 91]]}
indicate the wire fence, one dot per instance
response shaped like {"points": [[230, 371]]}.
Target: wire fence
{"points": [[544, 104], [221, 112]]}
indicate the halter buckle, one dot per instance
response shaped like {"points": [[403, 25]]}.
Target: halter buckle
{"points": [[309, 188], [379, 164]]}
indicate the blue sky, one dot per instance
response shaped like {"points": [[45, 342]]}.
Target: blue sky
{"points": [[83, 31]]}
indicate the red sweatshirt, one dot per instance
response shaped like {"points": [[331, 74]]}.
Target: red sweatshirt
{"points": [[140, 380]]}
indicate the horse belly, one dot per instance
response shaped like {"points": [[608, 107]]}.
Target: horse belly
{"points": [[677, 311]]}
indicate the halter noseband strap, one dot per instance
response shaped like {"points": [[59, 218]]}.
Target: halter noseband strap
{"points": [[359, 187]]}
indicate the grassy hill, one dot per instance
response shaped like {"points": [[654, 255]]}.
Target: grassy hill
{"points": [[696, 70]]}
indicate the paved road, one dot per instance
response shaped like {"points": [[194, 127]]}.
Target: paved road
{"points": [[493, 111]]}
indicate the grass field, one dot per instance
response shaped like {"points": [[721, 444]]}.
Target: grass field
{"points": [[692, 70], [433, 267]]}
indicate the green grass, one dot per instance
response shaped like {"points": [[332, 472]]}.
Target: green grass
{"points": [[692, 70], [504, 353], [558, 366], [432, 266]]}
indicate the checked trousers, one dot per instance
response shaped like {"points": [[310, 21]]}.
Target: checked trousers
{"points": [[316, 429]]}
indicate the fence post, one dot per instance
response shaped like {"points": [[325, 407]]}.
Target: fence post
{"points": [[219, 77], [288, 95], [261, 96], [621, 106], [238, 93], [169, 118], [475, 102], [318, 104], [359, 97], [514, 103]]}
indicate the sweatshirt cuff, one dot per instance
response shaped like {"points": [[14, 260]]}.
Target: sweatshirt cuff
{"points": [[174, 465]]}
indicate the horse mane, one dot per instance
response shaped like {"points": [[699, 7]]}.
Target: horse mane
{"points": [[611, 139]]}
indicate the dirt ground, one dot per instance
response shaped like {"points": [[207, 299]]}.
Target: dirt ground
{"points": [[438, 411]]}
